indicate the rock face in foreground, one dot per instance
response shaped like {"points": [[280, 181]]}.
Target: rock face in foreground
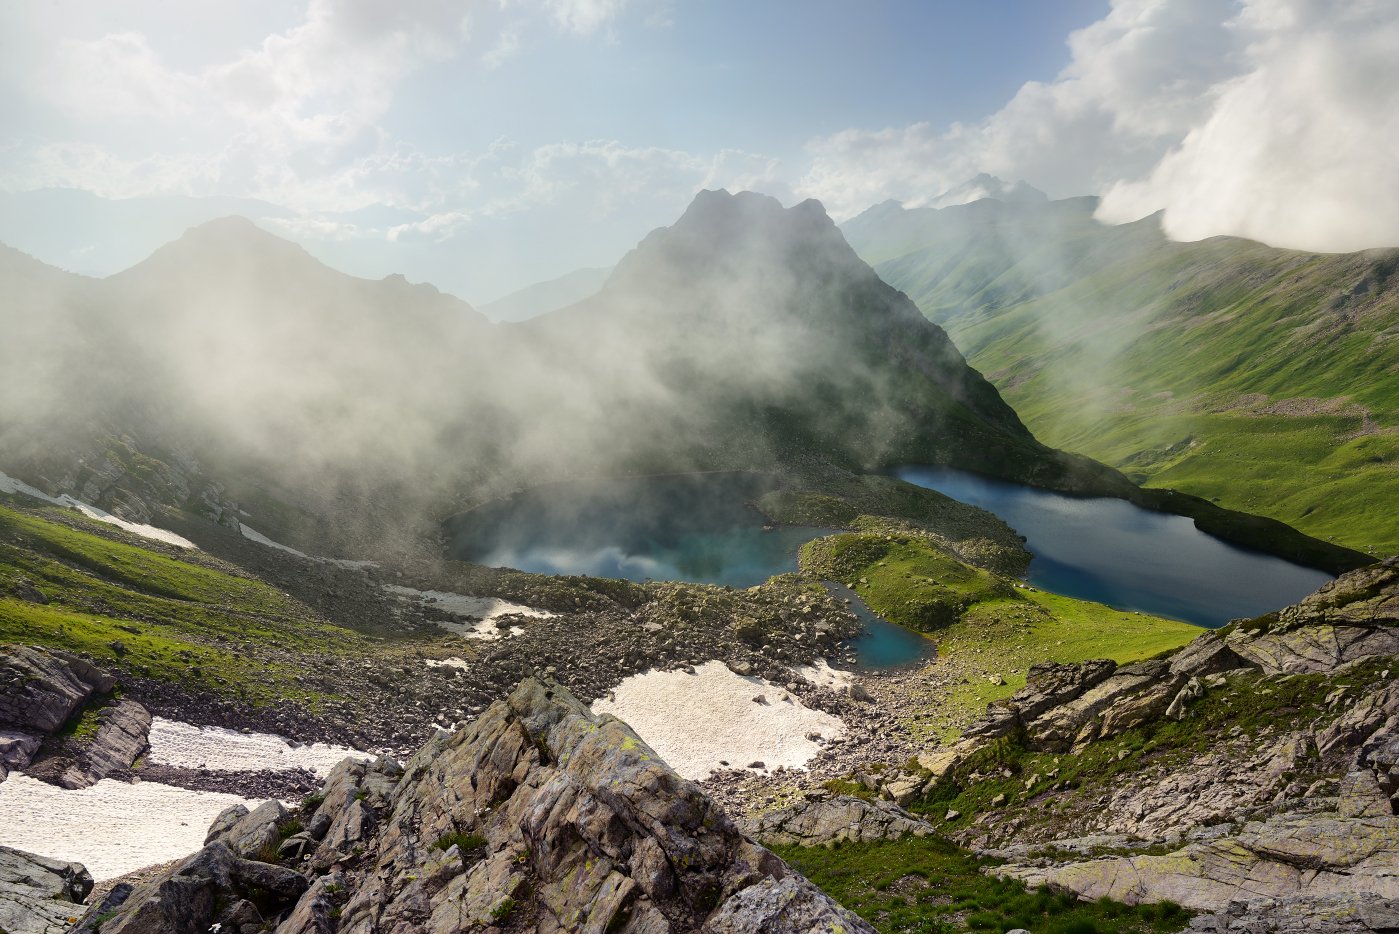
{"points": [[1279, 821], [539, 816], [39, 895], [41, 691]]}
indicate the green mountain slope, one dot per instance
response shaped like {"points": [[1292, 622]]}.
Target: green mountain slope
{"points": [[1265, 380]]}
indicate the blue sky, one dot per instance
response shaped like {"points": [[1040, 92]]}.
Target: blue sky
{"points": [[483, 146]]}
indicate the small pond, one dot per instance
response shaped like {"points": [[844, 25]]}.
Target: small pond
{"points": [[882, 644], [1131, 558]]}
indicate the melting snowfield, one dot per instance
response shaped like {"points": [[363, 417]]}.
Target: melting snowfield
{"points": [[206, 747], [253, 535], [823, 675], [480, 613], [12, 486], [698, 722], [111, 828]]}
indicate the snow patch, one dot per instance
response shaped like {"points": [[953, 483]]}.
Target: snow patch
{"points": [[253, 535], [208, 747], [823, 675], [696, 722], [12, 486], [112, 828], [481, 612], [453, 662]]}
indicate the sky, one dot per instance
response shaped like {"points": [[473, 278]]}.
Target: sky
{"points": [[484, 146]]}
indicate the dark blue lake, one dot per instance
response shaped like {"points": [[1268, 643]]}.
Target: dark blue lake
{"points": [[1131, 558]]}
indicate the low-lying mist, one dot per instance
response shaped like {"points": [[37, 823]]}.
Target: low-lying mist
{"points": [[745, 336]]}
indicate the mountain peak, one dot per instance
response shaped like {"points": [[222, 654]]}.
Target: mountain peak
{"points": [[984, 185]]}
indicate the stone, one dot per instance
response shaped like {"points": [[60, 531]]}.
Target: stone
{"points": [[40, 895], [1361, 796], [253, 833], [1191, 690], [204, 890], [840, 818], [580, 827], [40, 689], [120, 740], [1208, 654]]}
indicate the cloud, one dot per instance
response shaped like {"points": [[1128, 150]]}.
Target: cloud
{"points": [[295, 117], [583, 16], [1137, 81], [1299, 151], [1271, 119]]}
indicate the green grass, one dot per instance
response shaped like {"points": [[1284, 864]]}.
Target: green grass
{"points": [[905, 578], [157, 616], [930, 886], [987, 629], [1161, 358], [1248, 706]]}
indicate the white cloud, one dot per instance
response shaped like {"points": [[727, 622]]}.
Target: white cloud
{"points": [[1137, 80], [295, 118], [583, 16], [507, 46], [1271, 119], [1299, 151]]}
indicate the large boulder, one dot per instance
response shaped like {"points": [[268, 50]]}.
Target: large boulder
{"points": [[833, 820], [540, 816], [213, 887], [40, 690], [40, 895]]}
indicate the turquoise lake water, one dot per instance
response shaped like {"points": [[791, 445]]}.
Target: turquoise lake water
{"points": [[700, 528]]}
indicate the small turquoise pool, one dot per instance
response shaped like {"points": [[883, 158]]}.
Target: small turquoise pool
{"points": [[882, 644]]}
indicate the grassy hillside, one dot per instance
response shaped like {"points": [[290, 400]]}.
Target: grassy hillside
{"points": [[1265, 380], [989, 628], [192, 620]]}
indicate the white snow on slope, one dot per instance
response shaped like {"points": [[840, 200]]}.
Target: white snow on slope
{"points": [[111, 828], [696, 722], [823, 675], [253, 535], [481, 611], [458, 663], [207, 747], [12, 486]]}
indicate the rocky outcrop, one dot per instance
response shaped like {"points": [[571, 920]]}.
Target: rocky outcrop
{"points": [[1289, 856], [1353, 616], [39, 895], [40, 691], [539, 816], [1332, 914], [121, 738], [212, 887], [1283, 821], [833, 820]]}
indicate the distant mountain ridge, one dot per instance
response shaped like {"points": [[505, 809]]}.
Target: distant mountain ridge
{"points": [[1263, 378], [550, 295], [745, 336]]}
